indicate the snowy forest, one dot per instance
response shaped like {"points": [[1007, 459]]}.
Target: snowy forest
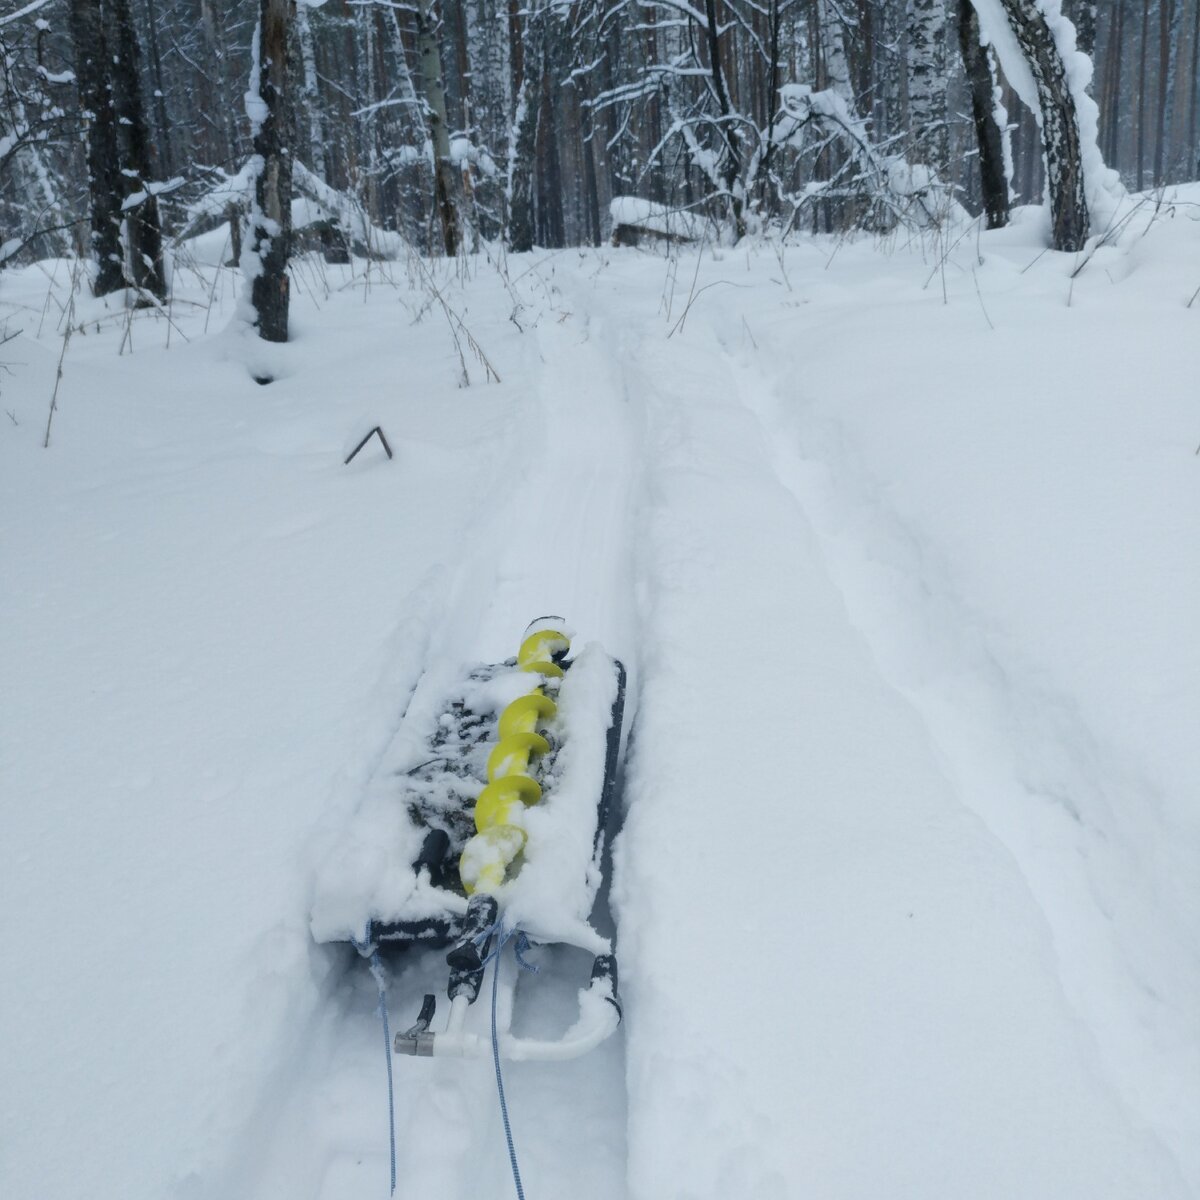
{"points": [[599, 599], [447, 122]]}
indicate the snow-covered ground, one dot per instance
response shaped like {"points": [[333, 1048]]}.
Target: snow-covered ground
{"points": [[897, 543]]}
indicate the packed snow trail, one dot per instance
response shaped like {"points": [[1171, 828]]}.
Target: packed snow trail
{"points": [[835, 926], [832, 907], [843, 977], [554, 535], [977, 510]]}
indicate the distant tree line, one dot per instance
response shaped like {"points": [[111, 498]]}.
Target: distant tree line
{"points": [[449, 122]]}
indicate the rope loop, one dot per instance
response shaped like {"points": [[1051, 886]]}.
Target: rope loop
{"points": [[520, 949]]}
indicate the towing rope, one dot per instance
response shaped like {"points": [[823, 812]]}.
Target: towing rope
{"points": [[522, 943], [378, 974]]}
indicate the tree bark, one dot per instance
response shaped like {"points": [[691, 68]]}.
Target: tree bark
{"points": [[1194, 97], [982, 84], [1141, 96], [551, 189], [927, 83], [133, 138], [166, 158], [439, 131], [522, 140], [312, 94], [103, 156], [1083, 17], [1111, 106], [833, 52], [731, 161], [1167, 36], [774, 18], [1060, 135], [271, 218], [223, 136]]}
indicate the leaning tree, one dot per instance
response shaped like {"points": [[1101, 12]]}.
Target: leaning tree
{"points": [[1036, 50]]}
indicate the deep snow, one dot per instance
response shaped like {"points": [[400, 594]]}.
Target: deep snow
{"points": [[894, 540]]}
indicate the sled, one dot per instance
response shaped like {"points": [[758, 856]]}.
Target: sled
{"points": [[486, 824]]}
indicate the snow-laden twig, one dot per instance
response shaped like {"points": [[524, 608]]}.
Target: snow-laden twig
{"points": [[32, 7], [457, 326]]}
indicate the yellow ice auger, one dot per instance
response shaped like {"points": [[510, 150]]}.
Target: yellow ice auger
{"points": [[467, 866], [500, 837], [479, 769]]}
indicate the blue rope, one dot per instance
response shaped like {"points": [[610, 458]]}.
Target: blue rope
{"points": [[377, 973], [512, 1150], [519, 949], [387, 1054]]}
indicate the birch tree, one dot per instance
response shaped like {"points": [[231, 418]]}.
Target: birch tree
{"points": [[428, 25], [1058, 116], [266, 259], [927, 84], [312, 93], [834, 62]]}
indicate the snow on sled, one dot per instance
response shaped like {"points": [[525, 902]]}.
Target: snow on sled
{"points": [[487, 820]]}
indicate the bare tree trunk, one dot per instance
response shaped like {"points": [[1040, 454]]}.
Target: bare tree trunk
{"points": [[133, 138], [1194, 97], [271, 215], [1061, 140], [1167, 22], [103, 156], [1141, 96], [522, 141], [927, 83], [166, 157], [1111, 86], [364, 45], [1083, 17], [439, 131], [550, 185], [864, 84], [833, 51], [591, 191], [212, 28], [774, 18], [652, 128], [891, 76], [731, 163], [982, 86], [312, 94]]}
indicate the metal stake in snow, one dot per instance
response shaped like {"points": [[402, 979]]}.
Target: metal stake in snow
{"points": [[375, 431]]}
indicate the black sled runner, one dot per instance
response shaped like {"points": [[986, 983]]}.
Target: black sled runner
{"points": [[486, 821]]}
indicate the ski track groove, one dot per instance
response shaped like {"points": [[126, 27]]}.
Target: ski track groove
{"points": [[1055, 774], [557, 543]]}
